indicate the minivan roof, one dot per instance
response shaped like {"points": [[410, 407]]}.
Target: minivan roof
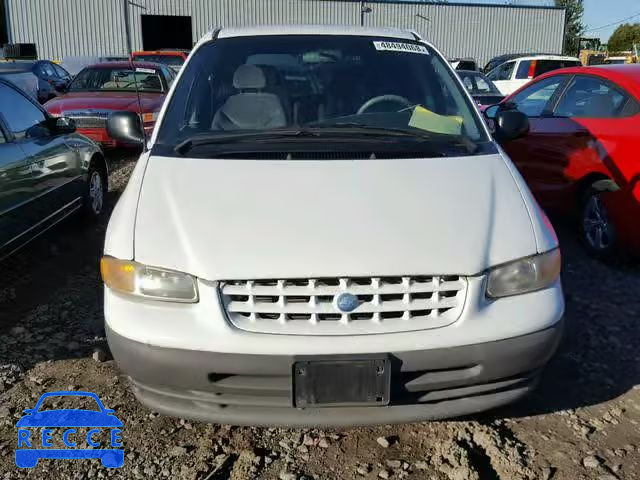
{"points": [[263, 30], [315, 30], [545, 57]]}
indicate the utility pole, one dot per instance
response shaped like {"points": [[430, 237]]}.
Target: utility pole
{"points": [[127, 27], [363, 10]]}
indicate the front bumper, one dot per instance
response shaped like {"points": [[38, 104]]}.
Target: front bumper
{"points": [[248, 389], [101, 136]]}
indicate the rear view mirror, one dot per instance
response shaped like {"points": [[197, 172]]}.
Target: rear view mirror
{"points": [[509, 123], [126, 127]]}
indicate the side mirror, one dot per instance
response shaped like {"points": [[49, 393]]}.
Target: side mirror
{"points": [[61, 88], [64, 125], [509, 123], [492, 111], [126, 127]]}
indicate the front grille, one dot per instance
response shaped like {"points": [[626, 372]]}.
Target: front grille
{"points": [[89, 118], [309, 306]]}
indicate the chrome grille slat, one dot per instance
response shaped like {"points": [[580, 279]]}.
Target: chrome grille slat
{"points": [[390, 306], [242, 289], [89, 118], [308, 306]]}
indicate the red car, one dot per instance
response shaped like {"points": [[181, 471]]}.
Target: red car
{"points": [[581, 155], [103, 88]]}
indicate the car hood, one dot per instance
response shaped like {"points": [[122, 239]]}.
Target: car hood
{"points": [[69, 418], [104, 101], [242, 219]]}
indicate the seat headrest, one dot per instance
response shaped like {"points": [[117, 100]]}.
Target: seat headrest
{"points": [[249, 77]]}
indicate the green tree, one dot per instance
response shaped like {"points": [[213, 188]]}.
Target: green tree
{"points": [[573, 26], [624, 37]]}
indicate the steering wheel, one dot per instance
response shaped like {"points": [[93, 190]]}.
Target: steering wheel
{"points": [[372, 102]]}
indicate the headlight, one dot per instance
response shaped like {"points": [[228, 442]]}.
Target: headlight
{"points": [[524, 275], [148, 282]]}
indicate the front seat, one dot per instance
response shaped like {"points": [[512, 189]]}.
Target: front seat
{"points": [[599, 106], [251, 108]]}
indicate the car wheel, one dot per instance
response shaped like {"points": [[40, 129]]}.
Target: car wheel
{"points": [[26, 459], [113, 459], [598, 234], [95, 193]]}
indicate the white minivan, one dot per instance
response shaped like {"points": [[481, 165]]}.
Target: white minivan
{"points": [[321, 231]]}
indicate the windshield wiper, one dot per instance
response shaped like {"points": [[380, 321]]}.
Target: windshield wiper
{"points": [[317, 131], [464, 140], [217, 138]]}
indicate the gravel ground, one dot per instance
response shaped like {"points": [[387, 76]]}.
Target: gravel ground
{"points": [[582, 423]]}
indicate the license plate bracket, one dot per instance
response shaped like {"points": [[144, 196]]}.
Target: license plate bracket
{"points": [[319, 383]]}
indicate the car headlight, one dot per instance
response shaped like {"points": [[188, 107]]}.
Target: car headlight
{"points": [[524, 275], [155, 283]]}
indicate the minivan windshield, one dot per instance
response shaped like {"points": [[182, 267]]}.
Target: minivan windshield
{"points": [[308, 87]]}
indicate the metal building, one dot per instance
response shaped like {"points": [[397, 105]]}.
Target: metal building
{"points": [[63, 28]]}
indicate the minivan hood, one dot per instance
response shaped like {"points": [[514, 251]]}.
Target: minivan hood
{"points": [[243, 219]]}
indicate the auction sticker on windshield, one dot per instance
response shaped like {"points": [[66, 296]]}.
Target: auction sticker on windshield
{"points": [[401, 47]]}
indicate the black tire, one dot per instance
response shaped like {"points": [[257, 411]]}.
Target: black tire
{"points": [[597, 232], [95, 193]]}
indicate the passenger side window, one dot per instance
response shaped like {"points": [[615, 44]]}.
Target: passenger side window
{"points": [[506, 70], [482, 85], [23, 116], [468, 83], [532, 101], [590, 97], [168, 75], [47, 69], [60, 72], [523, 70]]}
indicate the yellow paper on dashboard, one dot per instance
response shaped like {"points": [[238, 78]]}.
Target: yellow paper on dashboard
{"points": [[432, 122]]}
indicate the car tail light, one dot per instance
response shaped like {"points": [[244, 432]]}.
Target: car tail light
{"points": [[532, 69]]}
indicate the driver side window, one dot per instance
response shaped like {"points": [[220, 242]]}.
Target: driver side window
{"points": [[534, 100], [23, 116]]}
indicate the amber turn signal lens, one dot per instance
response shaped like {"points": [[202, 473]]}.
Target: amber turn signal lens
{"points": [[118, 274]]}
